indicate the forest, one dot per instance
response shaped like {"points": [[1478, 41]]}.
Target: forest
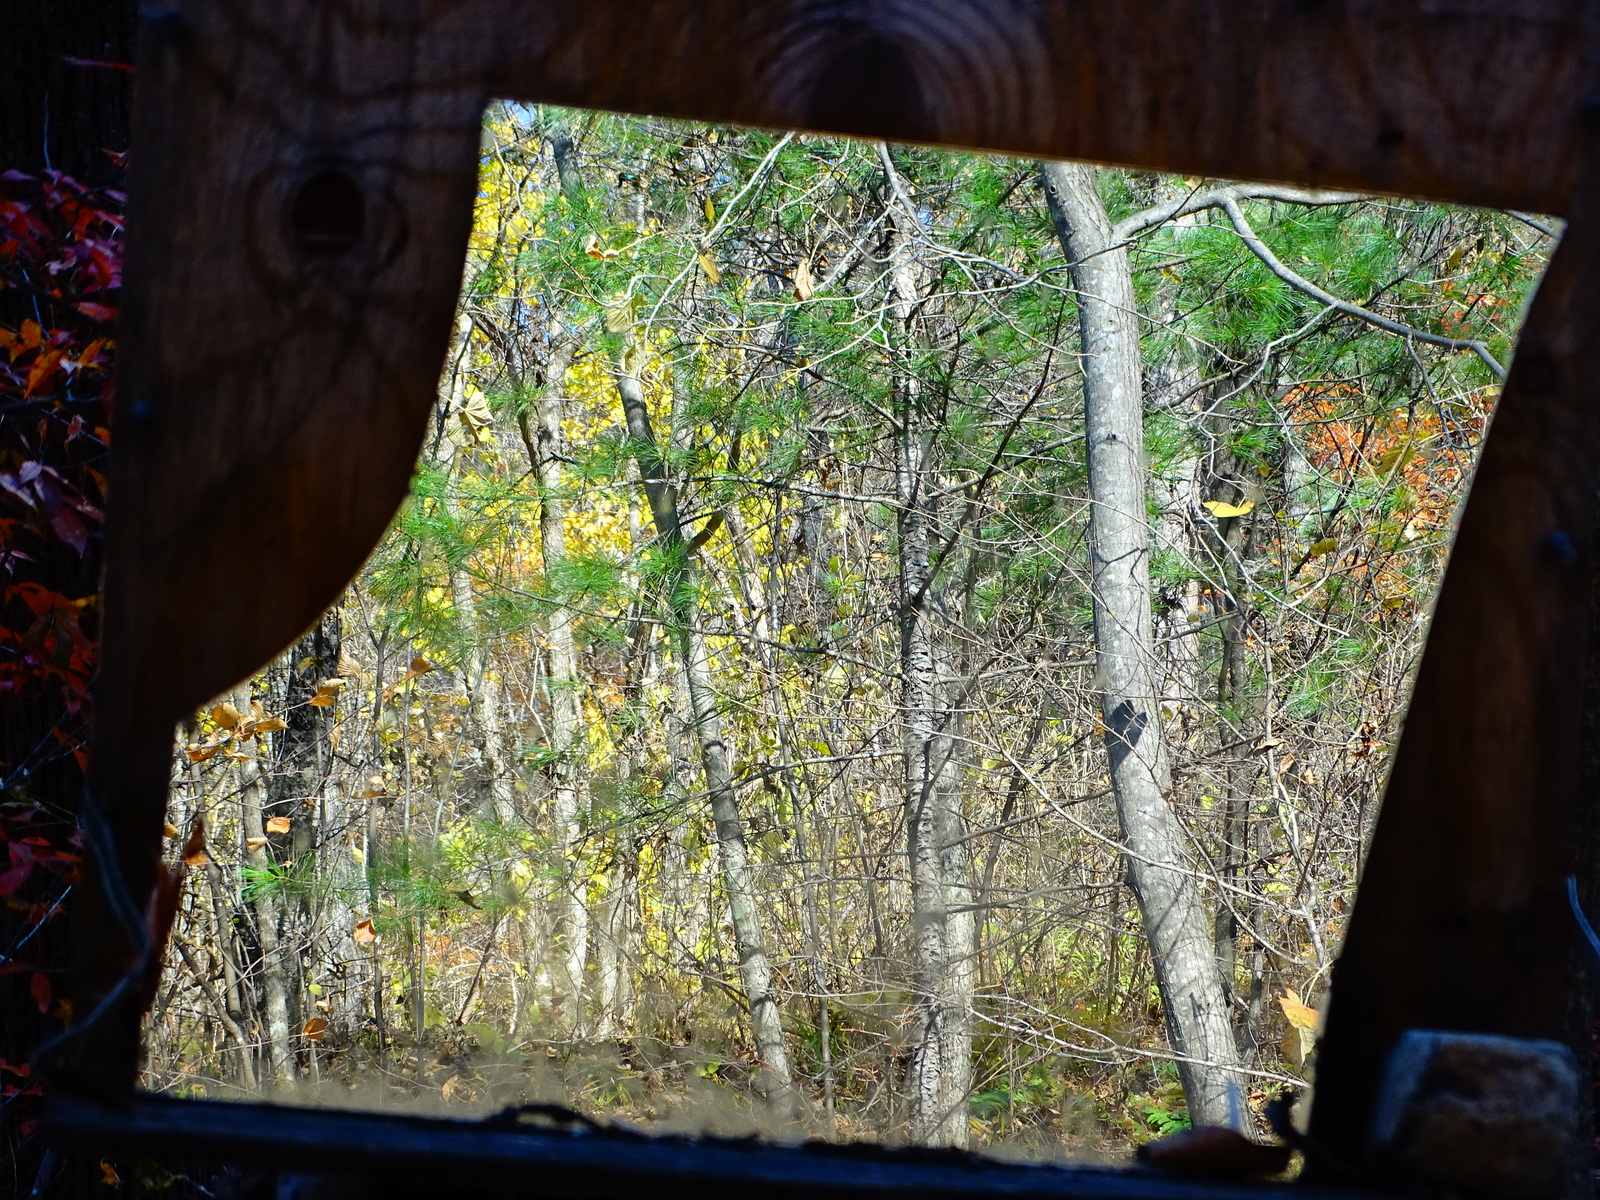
{"points": [[885, 643]]}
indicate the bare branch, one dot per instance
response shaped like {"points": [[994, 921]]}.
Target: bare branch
{"points": [[1300, 283]]}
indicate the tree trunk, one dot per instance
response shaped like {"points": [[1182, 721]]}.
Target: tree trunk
{"points": [[1159, 865], [1241, 710], [942, 931], [569, 917], [715, 756], [276, 958], [482, 686]]}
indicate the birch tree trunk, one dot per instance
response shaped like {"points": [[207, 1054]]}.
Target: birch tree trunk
{"points": [[482, 686], [1159, 866], [942, 931], [716, 758], [569, 917]]}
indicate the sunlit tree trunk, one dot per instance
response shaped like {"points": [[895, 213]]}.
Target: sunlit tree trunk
{"points": [[1159, 862], [613, 945], [569, 917], [478, 677], [942, 929], [716, 755]]}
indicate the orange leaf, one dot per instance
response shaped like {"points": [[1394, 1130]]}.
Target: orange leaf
{"points": [[226, 715], [169, 830], [271, 725], [314, 1029], [42, 368], [194, 848], [327, 693], [277, 824], [39, 988], [1301, 1015], [256, 843], [364, 934], [109, 1176]]}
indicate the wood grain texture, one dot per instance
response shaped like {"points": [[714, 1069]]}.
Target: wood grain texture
{"points": [[1467, 100], [1461, 919], [300, 202], [395, 1157], [302, 188]]}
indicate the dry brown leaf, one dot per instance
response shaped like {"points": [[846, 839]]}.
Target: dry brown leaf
{"points": [[277, 824], [1301, 1015], [170, 830], [364, 934], [256, 843], [327, 693], [271, 725], [1297, 1046], [803, 287], [199, 753], [237, 756], [349, 668], [194, 847], [314, 1029], [109, 1176], [226, 715]]}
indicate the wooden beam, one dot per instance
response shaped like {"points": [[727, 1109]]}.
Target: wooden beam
{"points": [[398, 1157], [1461, 920], [1473, 101]]}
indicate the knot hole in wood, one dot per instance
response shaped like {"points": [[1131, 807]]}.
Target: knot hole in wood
{"points": [[327, 214]]}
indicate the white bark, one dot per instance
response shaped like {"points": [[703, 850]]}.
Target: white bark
{"points": [[569, 923], [943, 931], [1175, 921], [716, 757]]}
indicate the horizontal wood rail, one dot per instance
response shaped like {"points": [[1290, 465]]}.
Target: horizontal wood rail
{"points": [[401, 1156]]}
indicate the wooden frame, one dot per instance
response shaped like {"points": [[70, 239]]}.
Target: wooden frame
{"points": [[303, 178]]}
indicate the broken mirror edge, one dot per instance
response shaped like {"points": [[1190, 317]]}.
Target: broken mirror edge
{"points": [[573, 1156]]}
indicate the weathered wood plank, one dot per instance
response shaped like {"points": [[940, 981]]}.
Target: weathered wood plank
{"points": [[401, 1156], [1461, 921], [1474, 101]]}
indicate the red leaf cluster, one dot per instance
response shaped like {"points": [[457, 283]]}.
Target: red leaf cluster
{"points": [[60, 270]]}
